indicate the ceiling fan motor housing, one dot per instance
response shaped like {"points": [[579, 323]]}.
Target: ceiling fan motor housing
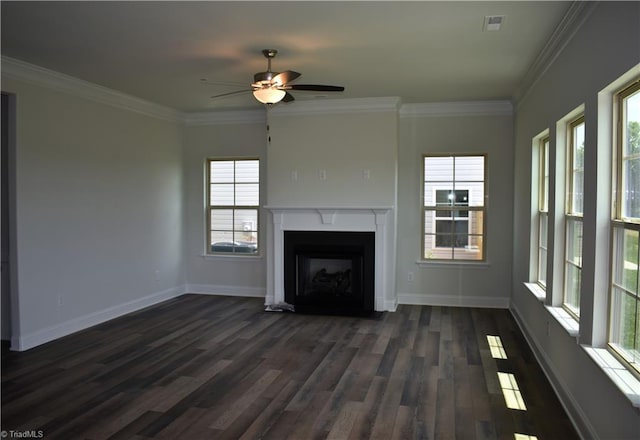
{"points": [[265, 77]]}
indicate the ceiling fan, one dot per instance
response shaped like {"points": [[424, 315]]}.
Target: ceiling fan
{"points": [[272, 87]]}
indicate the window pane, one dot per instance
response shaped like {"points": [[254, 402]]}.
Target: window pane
{"points": [[461, 240], [543, 230], [221, 171], [544, 190], [222, 194], [625, 322], [542, 248], [222, 219], [444, 213], [438, 169], [248, 171], [632, 124], [542, 267], [476, 222], [626, 259], [573, 265], [444, 197], [247, 194], [444, 227], [222, 240], [631, 188], [469, 168], [476, 194], [578, 194], [429, 223], [572, 291], [468, 252], [574, 241], [577, 169], [245, 220]]}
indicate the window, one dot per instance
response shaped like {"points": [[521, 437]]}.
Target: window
{"points": [[573, 217], [232, 206], [624, 330], [453, 207], [543, 210]]}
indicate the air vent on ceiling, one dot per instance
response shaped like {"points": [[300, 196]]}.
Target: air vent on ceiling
{"points": [[493, 22]]}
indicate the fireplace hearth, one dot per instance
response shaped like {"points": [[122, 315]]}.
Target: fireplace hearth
{"points": [[330, 272]]}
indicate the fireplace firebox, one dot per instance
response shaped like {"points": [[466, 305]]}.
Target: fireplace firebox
{"points": [[330, 272]]}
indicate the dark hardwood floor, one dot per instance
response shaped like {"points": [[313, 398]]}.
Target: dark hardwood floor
{"points": [[207, 367]]}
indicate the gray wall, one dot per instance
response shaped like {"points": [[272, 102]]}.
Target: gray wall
{"points": [[448, 284], [343, 144], [98, 215], [221, 274], [604, 48]]}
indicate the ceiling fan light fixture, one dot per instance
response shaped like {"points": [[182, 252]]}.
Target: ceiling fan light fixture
{"points": [[269, 95]]}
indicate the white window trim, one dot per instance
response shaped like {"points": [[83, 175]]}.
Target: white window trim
{"points": [[482, 263], [207, 253]]}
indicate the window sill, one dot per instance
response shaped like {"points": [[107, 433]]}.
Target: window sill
{"points": [[454, 264], [563, 317], [231, 257], [567, 321], [537, 291], [628, 384]]}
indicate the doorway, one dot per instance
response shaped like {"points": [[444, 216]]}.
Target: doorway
{"points": [[5, 251]]}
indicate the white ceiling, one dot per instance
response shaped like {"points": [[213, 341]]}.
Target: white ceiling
{"points": [[159, 51]]}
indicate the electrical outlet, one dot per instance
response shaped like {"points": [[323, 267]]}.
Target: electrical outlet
{"points": [[294, 175], [366, 174], [60, 300], [322, 174], [410, 277]]}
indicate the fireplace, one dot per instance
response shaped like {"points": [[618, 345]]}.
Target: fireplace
{"points": [[376, 221], [330, 272]]}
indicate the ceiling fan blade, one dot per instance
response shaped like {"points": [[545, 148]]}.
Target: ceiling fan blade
{"points": [[315, 88], [285, 77], [288, 97], [223, 95]]}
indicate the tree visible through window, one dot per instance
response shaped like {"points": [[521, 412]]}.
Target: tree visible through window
{"points": [[453, 207], [624, 332], [573, 218], [233, 201]]}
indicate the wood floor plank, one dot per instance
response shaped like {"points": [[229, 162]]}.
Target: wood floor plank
{"points": [[203, 367]]}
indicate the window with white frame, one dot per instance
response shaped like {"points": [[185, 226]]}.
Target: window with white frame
{"points": [[624, 308], [573, 217], [453, 207], [233, 199], [543, 209]]}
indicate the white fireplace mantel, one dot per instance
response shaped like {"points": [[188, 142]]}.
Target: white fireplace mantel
{"points": [[378, 219]]}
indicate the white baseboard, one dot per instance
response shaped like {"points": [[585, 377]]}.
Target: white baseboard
{"points": [[213, 289], [454, 300], [390, 305], [39, 337]]}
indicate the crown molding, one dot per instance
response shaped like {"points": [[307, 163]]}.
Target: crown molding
{"points": [[36, 75], [325, 106], [252, 116], [572, 21], [40, 76], [465, 108]]}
